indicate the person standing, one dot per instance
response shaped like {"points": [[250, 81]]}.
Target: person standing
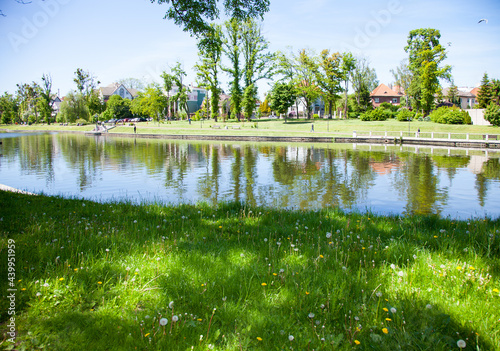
{"points": [[135, 129]]}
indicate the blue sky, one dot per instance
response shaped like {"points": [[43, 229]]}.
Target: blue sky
{"points": [[117, 39]]}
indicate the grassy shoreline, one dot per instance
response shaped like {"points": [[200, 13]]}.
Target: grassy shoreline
{"points": [[272, 127], [103, 275]]}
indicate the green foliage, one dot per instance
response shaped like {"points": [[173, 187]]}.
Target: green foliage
{"points": [[195, 16], [450, 115], [73, 107], [404, 115], [282, 97], [492, 114], [8, 108], [484, 95], [81, 121], [425, 57], [378, 114], [118, 107]]}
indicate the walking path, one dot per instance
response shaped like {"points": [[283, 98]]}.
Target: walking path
{"points": [[14, 190]]}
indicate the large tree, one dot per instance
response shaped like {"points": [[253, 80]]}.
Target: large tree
{"points": [[232, 50], [282, 97], [46, 98], [425, 63], [152, 102], [195, 16], [209, 52], [258, 62], [348, 65], [484, 95], [180, 98], [8, 108], [364, 80], [72, 108], [306, 80], [329, 76]]}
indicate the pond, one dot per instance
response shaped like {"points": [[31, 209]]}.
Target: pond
{"points": [[383, 179]]}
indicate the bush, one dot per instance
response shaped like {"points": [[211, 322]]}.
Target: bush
{"points": [[450, 115], [404, 115], [379, 114], [315, 116], [492, 114]]}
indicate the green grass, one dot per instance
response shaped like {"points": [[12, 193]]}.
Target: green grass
{"points": [[275, 127], [101, 277]]}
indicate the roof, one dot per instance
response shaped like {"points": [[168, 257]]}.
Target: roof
{"points": [[475, 92], [384, 90], [459, 93], [110, 89]]}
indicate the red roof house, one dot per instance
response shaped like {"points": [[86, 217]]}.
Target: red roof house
{"points": [[383, 93]]}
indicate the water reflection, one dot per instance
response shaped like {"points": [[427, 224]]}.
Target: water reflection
{"points": [[384, 179]]}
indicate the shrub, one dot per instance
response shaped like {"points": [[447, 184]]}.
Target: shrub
{"points": [[492, 114], [379, 114], [315, 116], [404, 115], [450, 115]]}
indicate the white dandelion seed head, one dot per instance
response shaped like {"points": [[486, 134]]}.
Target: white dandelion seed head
{"points": [[401, 273], [175, 318], [290, 337], [163, 321], [428, 306], [38, 294], [311, 315], [328, 235], [171, 305], [393, 266], [379, 294], [461, 343], [393, 310]]}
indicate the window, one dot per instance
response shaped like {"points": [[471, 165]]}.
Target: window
{"points": [[395, 100], [377, 100]]}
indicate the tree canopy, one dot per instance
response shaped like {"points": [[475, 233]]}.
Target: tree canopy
{"points": [[194, 16]]}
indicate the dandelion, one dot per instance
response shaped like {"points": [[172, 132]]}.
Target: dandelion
{"points": [[388, 319], [38, 294], [171, 305], [263, 284], [46, 285], [61, 279], [99, 283], [290, 337], [357, 342], [385, 330], [311, 315], [379, 294], [393, 310], [393, 266], [495, 290], [428, 306], [461, 344], [259, 338], [328, 235], [175, 319], [401, 273], [147, 335], [385, 309]]}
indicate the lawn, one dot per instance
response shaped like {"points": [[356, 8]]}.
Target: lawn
{"points": [[275, 127], [116, 276]]}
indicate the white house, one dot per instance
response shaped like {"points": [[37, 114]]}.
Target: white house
{"points": [[117, 89]]}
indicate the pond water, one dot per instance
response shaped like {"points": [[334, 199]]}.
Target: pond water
{"points": [[383, 179]]}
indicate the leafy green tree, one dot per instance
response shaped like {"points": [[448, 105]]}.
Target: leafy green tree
{"points": [[181, 97], [452, 95], [8, 108], [264, 108], [425, 58], [495, 91], [403, 77], [404, 115], [364, 80], [329, 76], [484, 95], [450, 115], [492, 114], [28, 96], [195, 16], [152, 102], [282, 97], [209, 52], [45, 100], [306, 80], [232, 50], [348, 65], [73, 107], [258, 62], [118, 107]]}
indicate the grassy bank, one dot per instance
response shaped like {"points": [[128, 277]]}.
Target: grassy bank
{"points": [[122, 277], [274, 127]]}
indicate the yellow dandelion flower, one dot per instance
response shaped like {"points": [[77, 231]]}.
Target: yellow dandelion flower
{"points": [[321, 256], [307, 292], [388, 319], [459, 268], [357, 342], [385, 309], [259, 338], [275, 273], [472, 268], [147, 335], [199, 319], [263, 284], [435, 236], [385, 330], [495, 290], [220, 227], [23, 289], [61, 279], [76, 269], [99, 282]]}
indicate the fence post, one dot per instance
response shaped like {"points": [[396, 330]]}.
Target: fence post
{"points": [[467, 136], [449, 136], [432, 135]]}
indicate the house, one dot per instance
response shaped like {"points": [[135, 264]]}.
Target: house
{"points": [[117, 89], [467, 97], [383, 93], [56, 105]]}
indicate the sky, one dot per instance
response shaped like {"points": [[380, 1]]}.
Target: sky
{"points": [[117, 39]]}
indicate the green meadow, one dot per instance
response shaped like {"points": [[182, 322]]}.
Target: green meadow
{"points": [[118, 276]]}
